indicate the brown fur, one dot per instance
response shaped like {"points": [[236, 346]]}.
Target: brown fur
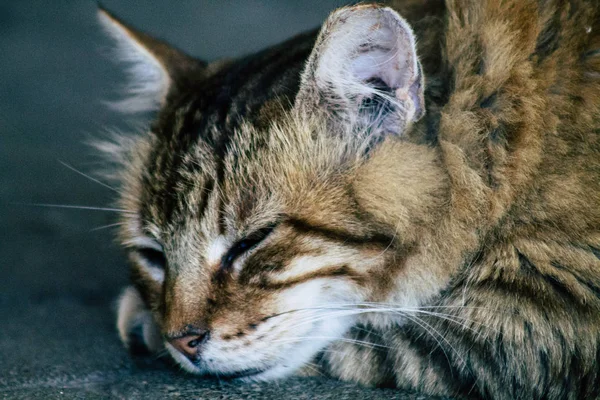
{"points": [[519, 140], [481, 223]]}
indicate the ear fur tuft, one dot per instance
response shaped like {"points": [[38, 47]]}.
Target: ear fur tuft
{"points": [[155, 67]]}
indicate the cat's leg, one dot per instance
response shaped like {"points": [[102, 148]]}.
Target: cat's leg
{"points": [[136, 325], [418, 369], [385, 358], [362, 356], [499, 343]]}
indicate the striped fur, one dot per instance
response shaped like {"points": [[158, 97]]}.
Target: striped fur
{"points": [[455, 253]]}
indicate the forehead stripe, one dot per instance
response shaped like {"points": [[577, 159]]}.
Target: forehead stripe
{"points": [[327, 272], [339, 235], [206, 192]]}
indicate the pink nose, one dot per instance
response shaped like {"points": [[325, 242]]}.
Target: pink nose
{"points": [[189, 345]]}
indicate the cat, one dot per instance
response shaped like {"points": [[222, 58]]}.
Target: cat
{"points": [[409, 197]]}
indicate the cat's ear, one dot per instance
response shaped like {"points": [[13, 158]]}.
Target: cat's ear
{"points": [[364, 73], [156, 68]]}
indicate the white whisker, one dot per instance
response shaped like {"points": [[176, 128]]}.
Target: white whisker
{"points": [[345, 310], [87, 176], [69, 206], [428, 329], [314, 367], [337, 339], [106, 226]]}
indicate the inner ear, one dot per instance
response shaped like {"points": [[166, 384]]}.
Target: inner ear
{"points": [[382, 60], [364, 72]]}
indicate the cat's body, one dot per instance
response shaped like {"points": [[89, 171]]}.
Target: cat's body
{"points": [[442, 236]]}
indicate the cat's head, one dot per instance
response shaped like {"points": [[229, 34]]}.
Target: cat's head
{"points": [[267, 205]]}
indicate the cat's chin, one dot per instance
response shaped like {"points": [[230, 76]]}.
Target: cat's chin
{"points": [[269, 374]]}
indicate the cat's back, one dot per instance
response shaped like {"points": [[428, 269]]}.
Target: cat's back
{"points": [[524, 78]]}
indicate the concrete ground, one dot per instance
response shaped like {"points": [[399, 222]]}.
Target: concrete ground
{"points": [[59, 268]]}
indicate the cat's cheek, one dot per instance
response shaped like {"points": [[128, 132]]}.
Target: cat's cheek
{"points": [[135, 323], [285, 343], [322, 292]]}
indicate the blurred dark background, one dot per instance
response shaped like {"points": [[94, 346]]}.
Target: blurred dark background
{"points": [[60, 271]]}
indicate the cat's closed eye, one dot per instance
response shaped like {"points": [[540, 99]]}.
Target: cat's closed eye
{"points": [[244, 245], [152, 257]]}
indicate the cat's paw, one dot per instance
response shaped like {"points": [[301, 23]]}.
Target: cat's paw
{"points": [[137, 328]]}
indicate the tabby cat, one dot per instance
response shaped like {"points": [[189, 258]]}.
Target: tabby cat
{"points": [[409, 197]]}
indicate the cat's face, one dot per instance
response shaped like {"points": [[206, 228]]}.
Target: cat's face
{"points": [[260, 251], [255, 229]]}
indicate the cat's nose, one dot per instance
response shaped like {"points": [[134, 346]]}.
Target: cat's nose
{"points": [[189, 345]]}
